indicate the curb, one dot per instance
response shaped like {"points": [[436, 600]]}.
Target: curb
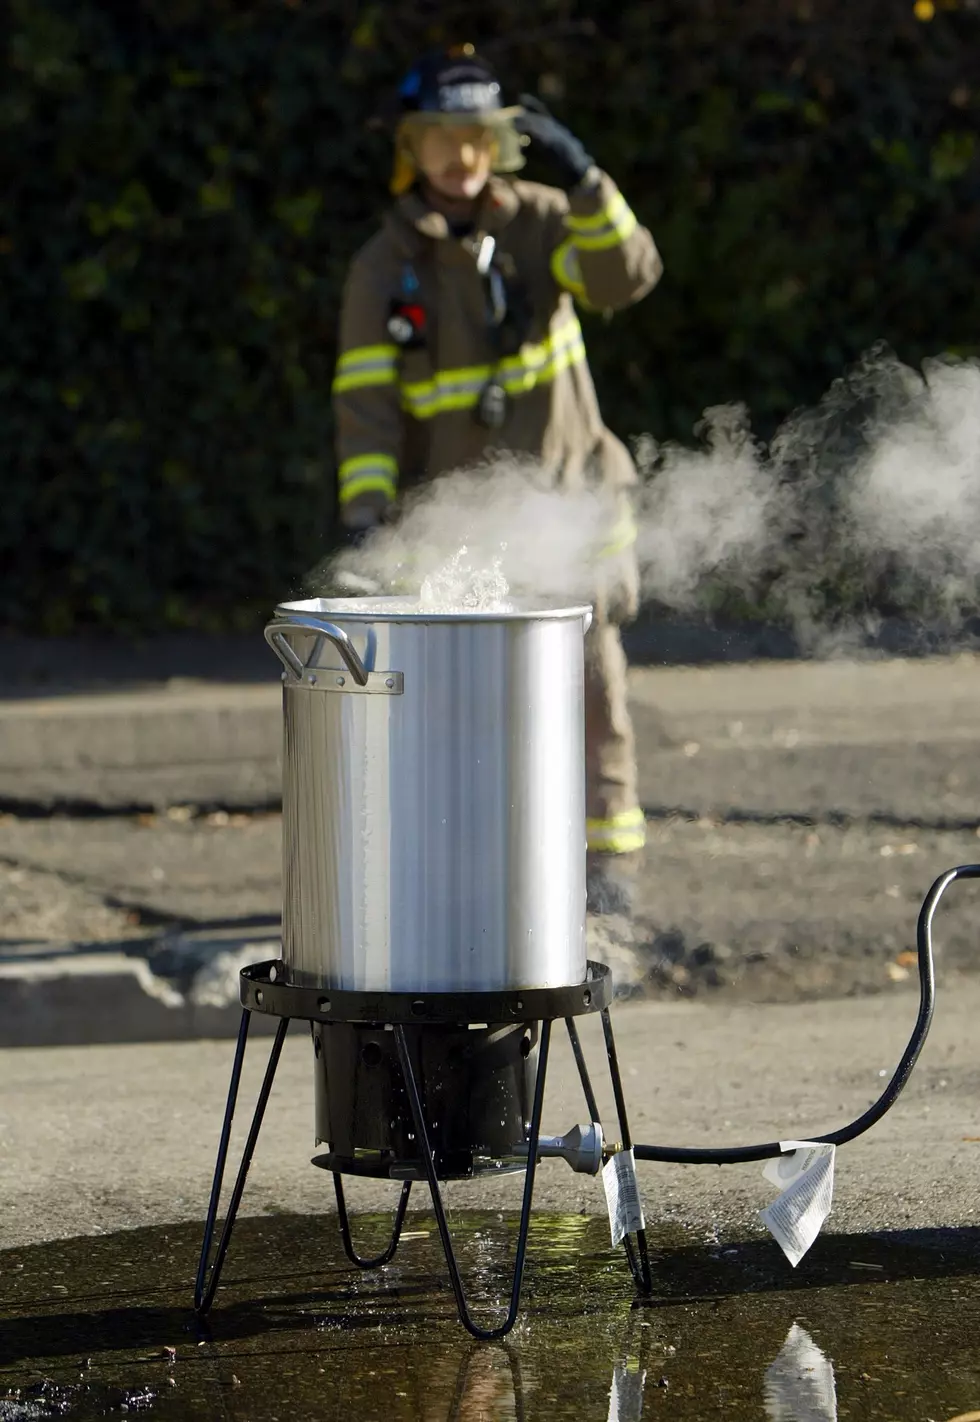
{"points": [[176, 987], [139, 750]]}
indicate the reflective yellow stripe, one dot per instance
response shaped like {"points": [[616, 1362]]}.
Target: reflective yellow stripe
{"points": [[613, 236], [358, 355], [627, 842], [605, 229], [368, 484], [620, 834], [622, 536], [358, 380], [447, 390], [536, 355], [367, 473], [460, 389], [360, 462], [609, 216], [366, 365], [543, 361], [520, 383], [565, 268]]}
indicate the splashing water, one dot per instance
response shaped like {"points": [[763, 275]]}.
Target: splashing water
{"points": [[457, 586]]}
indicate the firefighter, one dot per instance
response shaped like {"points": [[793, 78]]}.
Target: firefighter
{"points": [[458, 337]]}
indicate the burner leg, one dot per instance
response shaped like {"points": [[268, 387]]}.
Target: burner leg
{"points": [[345, 1233], [638, 1257], [421, 1130], [207, 1281], [583, 1070]]}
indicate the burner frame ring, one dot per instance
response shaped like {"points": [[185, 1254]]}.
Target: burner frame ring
{"points": [[263, 987]]}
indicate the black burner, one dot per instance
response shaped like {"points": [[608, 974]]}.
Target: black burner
{"points": [[441, 1086], [476, 1085]]}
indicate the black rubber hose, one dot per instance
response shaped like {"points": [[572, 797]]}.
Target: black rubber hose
{"points": [[735, 1155]]}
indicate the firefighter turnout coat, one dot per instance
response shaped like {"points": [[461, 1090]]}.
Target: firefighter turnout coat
{"points": [[406, 412], [418, 351]]}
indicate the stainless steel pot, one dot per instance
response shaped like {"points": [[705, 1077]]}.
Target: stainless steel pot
{"points": [[433, 796]]}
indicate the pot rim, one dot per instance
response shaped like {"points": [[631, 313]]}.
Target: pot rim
{"points": [[398, 609]]}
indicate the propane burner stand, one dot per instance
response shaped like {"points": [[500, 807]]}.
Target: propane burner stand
{"points": [[411, 1019]]}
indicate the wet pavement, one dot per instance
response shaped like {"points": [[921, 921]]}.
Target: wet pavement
{"points": [[869, 1326]]}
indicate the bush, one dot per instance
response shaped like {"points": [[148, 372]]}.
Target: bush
{"points": [[187, 179]]}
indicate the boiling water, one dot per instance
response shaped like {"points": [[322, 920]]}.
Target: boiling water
{"points": [[457, 586]]}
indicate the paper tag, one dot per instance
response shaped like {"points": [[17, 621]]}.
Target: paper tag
{"points": [[622, 1195], [799, 1384], [806, 1177]]}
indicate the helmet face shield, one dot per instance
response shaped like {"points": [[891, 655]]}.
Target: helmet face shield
{"points": [[495, 131]]}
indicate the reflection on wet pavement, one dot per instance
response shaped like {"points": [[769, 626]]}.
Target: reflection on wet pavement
{"points": [[882, 1326], [800, 1384]]}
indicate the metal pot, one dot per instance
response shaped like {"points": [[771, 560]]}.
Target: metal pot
{"points": [[433, 796]]}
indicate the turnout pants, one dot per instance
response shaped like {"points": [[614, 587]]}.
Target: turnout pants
{"points": [[614, 822]]}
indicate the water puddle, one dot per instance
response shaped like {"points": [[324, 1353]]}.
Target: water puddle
{"points": [[869, 1327]]}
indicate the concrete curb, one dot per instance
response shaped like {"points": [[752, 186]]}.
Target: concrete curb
{"points": [[172, 988], [202, 745], [175, 987]]}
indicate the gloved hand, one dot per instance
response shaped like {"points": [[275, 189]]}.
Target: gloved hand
{"points": [[562, 149]]}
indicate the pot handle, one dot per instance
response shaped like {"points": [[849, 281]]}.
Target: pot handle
{"points": [[336, 635]]}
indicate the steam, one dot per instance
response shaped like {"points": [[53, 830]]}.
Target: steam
{"points": [[867, 503], [916, 493], [477, 538], [704, 513]]}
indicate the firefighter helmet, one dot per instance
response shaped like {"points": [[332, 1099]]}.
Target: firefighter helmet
{"points": [[453, 86]]}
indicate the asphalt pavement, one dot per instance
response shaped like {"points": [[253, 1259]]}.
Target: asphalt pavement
{"points": [[102, 1138]]}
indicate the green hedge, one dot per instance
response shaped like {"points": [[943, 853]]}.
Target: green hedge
{"points": [[185, 181]]}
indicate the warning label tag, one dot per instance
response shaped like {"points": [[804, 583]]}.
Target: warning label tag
{"points": [[805, 1174], [622, 1195]]}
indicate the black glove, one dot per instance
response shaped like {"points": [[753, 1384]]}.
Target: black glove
{"points": [[564, 151]]}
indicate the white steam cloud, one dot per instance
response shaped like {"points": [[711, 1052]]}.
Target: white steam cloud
{"points": [[705, 512], [869, 499], [474, 538], [916, 493]]}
